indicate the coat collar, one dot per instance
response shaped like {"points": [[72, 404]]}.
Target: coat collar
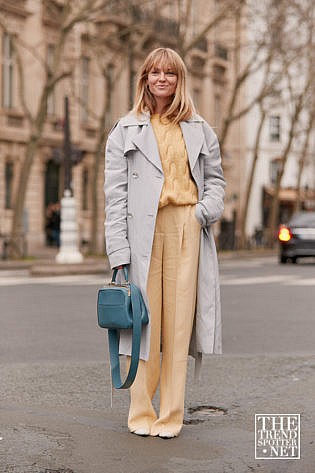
{"points": [[144, 119], [146, 142]]}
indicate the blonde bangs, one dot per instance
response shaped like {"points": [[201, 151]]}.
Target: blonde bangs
{"points": [[162, 57], [181, 106]]}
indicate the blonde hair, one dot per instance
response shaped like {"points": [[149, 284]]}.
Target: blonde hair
{"points": [[181, 106]]}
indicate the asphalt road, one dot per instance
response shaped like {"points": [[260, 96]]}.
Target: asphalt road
{"points": [[267, 308], [55, 410]]}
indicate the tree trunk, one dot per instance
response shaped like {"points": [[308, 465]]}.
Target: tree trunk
{"points": [[244, 213], [104, 124], [302, 161], [98, 155], [17, 223], [275, 206], [36, 124], [30, 152]]}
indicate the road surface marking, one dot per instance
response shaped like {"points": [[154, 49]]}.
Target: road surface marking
{"points": [[301, 282], [278, 278], [98, 280]]}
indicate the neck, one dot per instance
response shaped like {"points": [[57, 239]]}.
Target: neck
{"points": [[161, 103]]}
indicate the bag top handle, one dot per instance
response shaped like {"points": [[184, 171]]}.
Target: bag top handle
{"points": [[125, 269]]}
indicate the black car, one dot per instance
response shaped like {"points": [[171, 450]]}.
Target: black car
{"points": [[297, 238]]}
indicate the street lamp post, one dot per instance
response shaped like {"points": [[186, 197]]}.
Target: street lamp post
{"points": [[69, 251], [67, 148]]}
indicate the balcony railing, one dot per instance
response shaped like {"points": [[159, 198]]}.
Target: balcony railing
{"points": [[14, 7], [162, 25], [52, 12]]}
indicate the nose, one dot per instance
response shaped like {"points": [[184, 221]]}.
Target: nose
{"points": [[162, 75]]}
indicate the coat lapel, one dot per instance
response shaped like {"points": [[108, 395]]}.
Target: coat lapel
{"points": [[147, 144], [194, 139]]}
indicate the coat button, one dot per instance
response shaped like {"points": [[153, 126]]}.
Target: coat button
{"points": [[135, 175]]}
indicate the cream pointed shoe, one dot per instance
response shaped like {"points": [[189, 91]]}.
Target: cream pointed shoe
{"points": [[166, 435], [142, 432]]}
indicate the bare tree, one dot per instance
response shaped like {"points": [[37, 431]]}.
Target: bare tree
{"points": [[226, 9], [67, 16], [250, 181], [303, 159], [260, 53], [299, 88], [279, 57], [298, 104]]}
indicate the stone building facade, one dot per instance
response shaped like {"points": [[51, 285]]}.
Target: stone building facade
{"points": [[103, 65]]}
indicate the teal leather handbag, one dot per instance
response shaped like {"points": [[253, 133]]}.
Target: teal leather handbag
{"points": [[120, 306]]}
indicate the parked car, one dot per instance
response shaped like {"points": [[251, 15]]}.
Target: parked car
{"points": [[297, 238]]}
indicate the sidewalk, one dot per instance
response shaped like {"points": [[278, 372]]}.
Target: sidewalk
{"points": [[56, 417], [43, 262]]}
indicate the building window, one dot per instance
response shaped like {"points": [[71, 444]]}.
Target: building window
{"points": [[84, 92], [220, 51], [8, 184], [51, 101], [7, 71], [219, 73], [275, 167], [85, 189], [274, 128]]}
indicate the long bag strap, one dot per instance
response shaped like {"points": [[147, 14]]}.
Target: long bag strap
{"points": [[113, 340]]}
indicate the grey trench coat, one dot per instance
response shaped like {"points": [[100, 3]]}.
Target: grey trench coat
{"points": [[133, 184]]}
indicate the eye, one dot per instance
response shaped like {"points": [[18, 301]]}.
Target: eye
{"points": [[170, 73]]}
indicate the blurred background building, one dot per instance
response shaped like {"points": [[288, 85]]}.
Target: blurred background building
{"points": [[90, 51], [281, 123]]}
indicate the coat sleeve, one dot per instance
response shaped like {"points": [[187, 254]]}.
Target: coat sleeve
{"points": [[210, 208], [116, 199]]}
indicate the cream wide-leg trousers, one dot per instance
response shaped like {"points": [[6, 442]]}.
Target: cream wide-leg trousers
{"points": [[171, 289]]}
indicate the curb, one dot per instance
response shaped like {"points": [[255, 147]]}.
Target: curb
{"points": [[48, 267], [239, 254]]}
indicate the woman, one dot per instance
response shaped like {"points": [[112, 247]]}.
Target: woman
{"points": [[164, 189]]}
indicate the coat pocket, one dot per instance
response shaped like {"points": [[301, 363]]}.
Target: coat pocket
{"points": [[199, 215]]}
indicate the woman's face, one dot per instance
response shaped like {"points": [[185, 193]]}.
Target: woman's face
{"points": [[162, 81]]}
